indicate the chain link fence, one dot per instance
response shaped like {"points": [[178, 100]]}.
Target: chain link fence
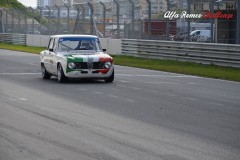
{"points": [[130, 19]]}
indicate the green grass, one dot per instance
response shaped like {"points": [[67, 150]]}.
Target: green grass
{"points": [[211, 71], [12, 4], [35, 50]]}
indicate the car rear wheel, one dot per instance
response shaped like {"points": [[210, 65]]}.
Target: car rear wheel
{"points": [[110, 78], [45, 74], [60, 74]]}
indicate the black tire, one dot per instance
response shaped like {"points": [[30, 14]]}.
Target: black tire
{"points": [[45, 74], [60, 74], [110, 78]]}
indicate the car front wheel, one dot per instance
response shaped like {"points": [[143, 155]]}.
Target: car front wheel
{"points": [[60, 74], [110, 78], [45, 74]]}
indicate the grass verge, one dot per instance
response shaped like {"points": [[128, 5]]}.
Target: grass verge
{"points": [[35, 50], [211, 71]]}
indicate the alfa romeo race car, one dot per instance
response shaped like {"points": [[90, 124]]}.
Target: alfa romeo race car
{"points": [[76, 56]]}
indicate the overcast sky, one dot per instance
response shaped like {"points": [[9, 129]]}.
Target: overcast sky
{"points": [[32, 3]]}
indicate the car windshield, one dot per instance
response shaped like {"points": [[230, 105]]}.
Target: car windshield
{"points": [[192, 33], [76, 44]]}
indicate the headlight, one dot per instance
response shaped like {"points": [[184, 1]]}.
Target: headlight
{"points": [[107, 64], [71, 65]]}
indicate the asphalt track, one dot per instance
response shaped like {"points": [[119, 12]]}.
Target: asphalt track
{"points": [[143, 115]]}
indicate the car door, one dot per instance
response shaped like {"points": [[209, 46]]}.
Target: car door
{"points": [[47, 53], [52, 54], [54, 57]]}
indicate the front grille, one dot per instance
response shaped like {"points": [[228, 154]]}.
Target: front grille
{"points": [[81, 65], [84, 65], [98, 65]]}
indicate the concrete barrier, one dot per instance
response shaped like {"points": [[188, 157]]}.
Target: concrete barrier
{"points": [[113, 46], [37, 40]]}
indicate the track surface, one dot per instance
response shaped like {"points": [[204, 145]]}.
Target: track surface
{"points": [[143, 115]]}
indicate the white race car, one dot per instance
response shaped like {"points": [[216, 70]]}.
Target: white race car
{"points": [[76, 56]]}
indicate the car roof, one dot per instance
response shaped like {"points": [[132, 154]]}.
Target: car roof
{"points": [[73, 35]]}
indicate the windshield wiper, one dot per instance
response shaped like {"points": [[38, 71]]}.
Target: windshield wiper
{"points": [[69, 48]]}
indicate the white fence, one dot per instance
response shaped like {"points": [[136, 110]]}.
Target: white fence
{"points": [[113, 46]]}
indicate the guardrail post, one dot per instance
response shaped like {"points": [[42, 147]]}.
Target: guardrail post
{"points": [[149, 18], [188, 20], [19, 19], [117, 12], [25, 22], [238, 23], [83, 17], [40, 28], [58, 23], [49, 25], [1, 21], [77, 21], [167, 22], [132, 16], [32, 19], [6, 20], [212, 21], [104, 18], [68, 17], [12, 20], [91, 17]]}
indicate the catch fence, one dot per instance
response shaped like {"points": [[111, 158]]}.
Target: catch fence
{"points": [[128, 19]]}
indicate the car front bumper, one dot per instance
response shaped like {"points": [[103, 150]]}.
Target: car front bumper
{"points": [[89, 74]]}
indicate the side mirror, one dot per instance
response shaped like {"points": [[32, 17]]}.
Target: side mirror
{"points": [[104, 50], [51, 50]]}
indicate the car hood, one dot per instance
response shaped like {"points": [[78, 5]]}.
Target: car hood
{"points": [[90, 58]]}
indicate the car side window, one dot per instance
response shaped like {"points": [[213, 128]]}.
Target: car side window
{"points": [[55, 44], [197, 33], [51, 42]]}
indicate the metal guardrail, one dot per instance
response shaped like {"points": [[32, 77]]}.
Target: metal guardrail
{"points": [[204, 53], [19, 39]]}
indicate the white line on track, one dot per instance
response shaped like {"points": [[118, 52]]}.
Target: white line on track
{"points": [[83, 89], [218, 104], [172, 95], [33, 64], [192, 83], [152, 91], [121, 85], [136, 88], [130, 100], [17, 99], [124, 81], [112, 96], [18, 73], [190, 99], [22, 99], [153, 75], [160, 82], [97, 92]]}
